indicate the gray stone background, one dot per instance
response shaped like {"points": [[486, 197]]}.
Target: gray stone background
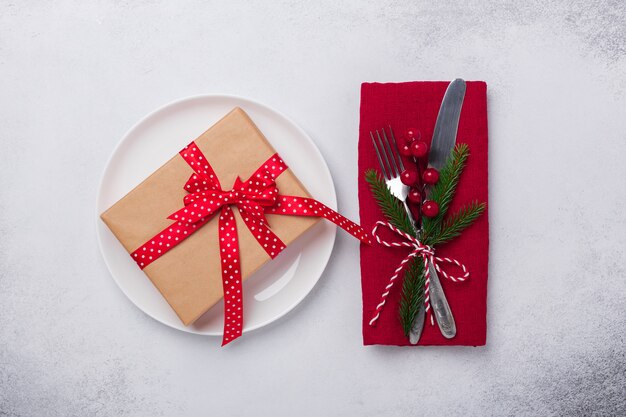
{"points": [[74, 76]]}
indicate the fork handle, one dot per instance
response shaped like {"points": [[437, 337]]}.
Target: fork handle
{"points": [[418, 322], [418, 325], [410, 216]]}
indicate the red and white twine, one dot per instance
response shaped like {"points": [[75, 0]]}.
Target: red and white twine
{"points": [[419, 249]]}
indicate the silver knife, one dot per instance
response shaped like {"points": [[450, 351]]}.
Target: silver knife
{"points": [[444, 139]]}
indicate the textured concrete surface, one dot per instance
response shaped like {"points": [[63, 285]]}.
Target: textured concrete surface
{"points": [[75, 75]]}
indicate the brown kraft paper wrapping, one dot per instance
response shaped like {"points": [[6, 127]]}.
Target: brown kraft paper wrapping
{"points": [[189, 275]]}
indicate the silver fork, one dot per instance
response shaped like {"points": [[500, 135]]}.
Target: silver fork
{"points": [[391, 166]]}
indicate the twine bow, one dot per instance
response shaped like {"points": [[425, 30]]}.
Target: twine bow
{"points": [[253, 198], [418, 249]]}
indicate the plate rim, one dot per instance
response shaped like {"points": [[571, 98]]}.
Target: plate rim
{"points": [[332, 204]]}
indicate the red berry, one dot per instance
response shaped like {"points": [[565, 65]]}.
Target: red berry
{"points": [[415, 196], [430, 176], [412, 134], [409, 177], [405, 150], [430, 208], [419, 149]]}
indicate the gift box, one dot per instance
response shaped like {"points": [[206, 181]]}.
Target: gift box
{"points": [[416, 105], [189, 275]]}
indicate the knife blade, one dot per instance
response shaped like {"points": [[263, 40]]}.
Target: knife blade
{"points": [[444, 139], [446, 126]]}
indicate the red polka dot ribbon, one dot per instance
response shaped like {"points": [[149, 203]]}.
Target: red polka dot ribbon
{"points": [[253, 198], [418, 249]]}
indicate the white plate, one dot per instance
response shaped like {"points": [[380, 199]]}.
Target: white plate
{"points": [[282, 283]]}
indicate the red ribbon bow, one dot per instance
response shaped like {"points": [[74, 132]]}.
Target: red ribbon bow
{"points": [[253, 198], [419, 249]]}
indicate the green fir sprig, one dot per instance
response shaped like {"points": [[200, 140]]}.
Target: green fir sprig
{"points": [[443, 192], [457, 222], [391, 207], [412, 297], [436, 230]]}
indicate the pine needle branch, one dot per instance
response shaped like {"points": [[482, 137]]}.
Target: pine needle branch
{"points": [[459, 221], [412, 294], [413, 282], [391, 207], [443, 192]]}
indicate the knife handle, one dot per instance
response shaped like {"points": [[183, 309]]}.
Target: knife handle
{"points": [[441, 308]]}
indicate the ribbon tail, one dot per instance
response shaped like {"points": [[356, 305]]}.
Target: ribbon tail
{"points": [[231, 276], [302, 206], [198, 162], [268, 240]]}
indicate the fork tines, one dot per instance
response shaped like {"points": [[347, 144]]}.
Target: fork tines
{"points": [[392, 166]]}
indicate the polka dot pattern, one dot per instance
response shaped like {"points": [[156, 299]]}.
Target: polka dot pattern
{"points": [[302, 206], [164, 241], [257, 224], [198, 162], [253, 198], [231, 277]]}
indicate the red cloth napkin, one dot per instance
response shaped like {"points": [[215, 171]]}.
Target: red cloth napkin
{"points": [[415, 105]]}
